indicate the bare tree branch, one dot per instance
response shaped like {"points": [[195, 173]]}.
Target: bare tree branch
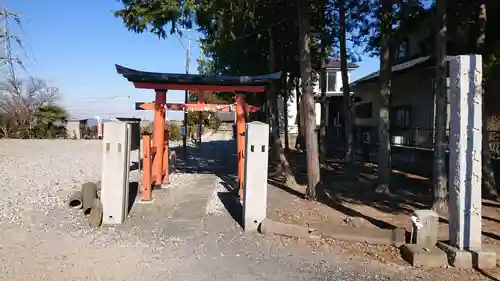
{"points": [[19, 101]]}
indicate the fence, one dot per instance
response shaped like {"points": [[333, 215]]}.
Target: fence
{"points": [[409, 137]]}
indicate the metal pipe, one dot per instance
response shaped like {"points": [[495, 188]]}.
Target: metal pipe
{"points": [[89, 193], [95, 216], [75, 200]]}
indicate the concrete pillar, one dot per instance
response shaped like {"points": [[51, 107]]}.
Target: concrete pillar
{"points": [[255, 179], [115, 167], [465, 146]]}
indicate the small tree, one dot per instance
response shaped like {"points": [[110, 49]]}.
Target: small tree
{"points": [[49, 120], [19, 103]]}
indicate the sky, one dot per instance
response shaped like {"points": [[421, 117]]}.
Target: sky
{"points": [[74, 45]]}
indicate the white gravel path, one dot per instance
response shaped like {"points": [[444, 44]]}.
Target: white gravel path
{"points": [[42, 239], [37, 175]]}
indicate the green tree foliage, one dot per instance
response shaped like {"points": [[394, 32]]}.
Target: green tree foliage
{"points": [[237, 41], [158, 17], [174, 132], [406, 18], [50, 120]]}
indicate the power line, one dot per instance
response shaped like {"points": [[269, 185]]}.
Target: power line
{"points": [[7, 57], [99, 98], [25, 36]]}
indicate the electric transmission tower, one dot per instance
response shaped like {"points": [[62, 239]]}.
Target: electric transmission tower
{"points": [[8, 60]]}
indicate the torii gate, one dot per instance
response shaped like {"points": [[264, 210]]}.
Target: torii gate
{"points": [[197, 107], [161, 83]]}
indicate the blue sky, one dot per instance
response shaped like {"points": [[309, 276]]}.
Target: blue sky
{"points": [[74, 45]]}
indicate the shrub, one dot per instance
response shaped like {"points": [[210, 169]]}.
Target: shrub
{"points": [[214, 123], [174, 132], [147, 129]]}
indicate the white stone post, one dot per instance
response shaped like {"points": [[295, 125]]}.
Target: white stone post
{"points": [[255, 180], [465, 146], [115, 168]]}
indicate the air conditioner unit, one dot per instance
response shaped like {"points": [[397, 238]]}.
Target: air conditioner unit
{"points": [[397, 140]]}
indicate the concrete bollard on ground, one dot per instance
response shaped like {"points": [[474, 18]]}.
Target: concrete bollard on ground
{"points": [[425, 228], [423, 251], [255, 179], [115, 169]]}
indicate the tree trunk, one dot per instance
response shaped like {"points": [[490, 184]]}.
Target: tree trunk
{"points": [[274, 118], [384, 144], [313, 170], [273, 105], [278, 153], [299, 141], [489, 182], [347, 99], [440, 192], [286, 94], [323, 101]]}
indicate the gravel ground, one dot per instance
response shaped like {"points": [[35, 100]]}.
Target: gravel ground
{"points": [[185, 234]]}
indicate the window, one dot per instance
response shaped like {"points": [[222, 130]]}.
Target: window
{"points": [[401, 117], [331, 80], [403, 50], [363, 110]]}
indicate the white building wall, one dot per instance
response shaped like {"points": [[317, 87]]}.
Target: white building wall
{"points": [[292, 106], [73, 130]]}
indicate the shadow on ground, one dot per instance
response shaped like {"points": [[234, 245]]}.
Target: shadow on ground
{"points": [[350, 190], [357, 185], [215, 157]]}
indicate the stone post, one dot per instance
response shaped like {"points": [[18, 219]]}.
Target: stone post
{"points": [[425, 228], [255, 179], [465, 144], [115, 169]]}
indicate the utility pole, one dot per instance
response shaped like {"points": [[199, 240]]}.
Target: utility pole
{"points": [[201, 97], [186, 97]]}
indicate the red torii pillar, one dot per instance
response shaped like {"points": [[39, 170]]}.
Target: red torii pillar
{"points": [[240, 140], [201, 100], [159, 139]]}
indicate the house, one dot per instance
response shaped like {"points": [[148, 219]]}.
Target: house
{"points": [[74, 128], [225, 117], [334, 94], [412, 112]]}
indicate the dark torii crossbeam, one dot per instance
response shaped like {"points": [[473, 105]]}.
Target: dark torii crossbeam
{"points": [[161, 83]]}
